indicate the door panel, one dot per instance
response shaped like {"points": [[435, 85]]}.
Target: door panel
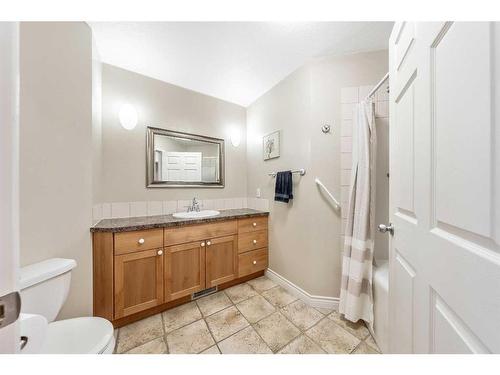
{"points": [[138, 282], [450, 334], [404, 130], [184, 270], [445, 266], [222, 260], [462, 126], [404, 294]]}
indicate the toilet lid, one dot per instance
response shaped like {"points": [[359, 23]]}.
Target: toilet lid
{"points": [[78, 336]]}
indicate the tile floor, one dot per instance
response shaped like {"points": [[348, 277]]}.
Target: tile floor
{"points": [[256, 317]]}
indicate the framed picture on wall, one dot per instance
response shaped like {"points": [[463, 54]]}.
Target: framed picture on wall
{"points": [[271, 145]]}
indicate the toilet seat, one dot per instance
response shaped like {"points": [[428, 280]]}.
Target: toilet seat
{"points": [[91, 335]]}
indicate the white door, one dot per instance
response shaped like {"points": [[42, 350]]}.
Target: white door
{"points": [[9, 125], [183, 166], [445, 188]]}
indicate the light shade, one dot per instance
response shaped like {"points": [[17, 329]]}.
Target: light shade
{"points": [[235, 138], [128, 116]]}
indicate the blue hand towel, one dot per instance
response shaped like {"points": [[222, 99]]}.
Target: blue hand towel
{"points": [[284, 187]]}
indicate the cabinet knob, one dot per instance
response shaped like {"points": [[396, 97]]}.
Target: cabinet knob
{"points": [[202, 244], [254, 224], [254, 262], [141, 240], [160, 252], [209, 243], [254, 242]]}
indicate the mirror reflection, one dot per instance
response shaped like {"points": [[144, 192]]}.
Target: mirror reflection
{"points": [[184, 159]]}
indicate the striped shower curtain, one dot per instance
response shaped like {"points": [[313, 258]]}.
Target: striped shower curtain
{"points": [[356, 297]]}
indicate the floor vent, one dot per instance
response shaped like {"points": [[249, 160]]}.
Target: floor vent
{"points": [[203, 293]]}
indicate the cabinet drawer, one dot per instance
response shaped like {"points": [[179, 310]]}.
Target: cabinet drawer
{"points": [[190, 233], [128, 242], [252, 261], [252, 240], [252, 224]]}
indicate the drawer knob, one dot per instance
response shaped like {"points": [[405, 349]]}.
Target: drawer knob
{"points": [[209, 243], [254, 224], [254, 242], [160, 252], [141, 241], [254, 262], [202, 244]]}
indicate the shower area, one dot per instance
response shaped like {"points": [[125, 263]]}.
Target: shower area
{"points": [[350, 98]]}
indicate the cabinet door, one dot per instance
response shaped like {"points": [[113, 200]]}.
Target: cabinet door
{"points": [[222, 260], [184, 269], [138, 281]]}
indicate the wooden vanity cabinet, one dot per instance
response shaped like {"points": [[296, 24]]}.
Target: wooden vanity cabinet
{"points": [[184, 269], [139, 273], [222, 260], [138, 281]]}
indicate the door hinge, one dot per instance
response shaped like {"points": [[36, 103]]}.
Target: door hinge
{"points": [[10, 308]]}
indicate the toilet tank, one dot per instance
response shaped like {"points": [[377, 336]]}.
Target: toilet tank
{"points": [[45, 286]]}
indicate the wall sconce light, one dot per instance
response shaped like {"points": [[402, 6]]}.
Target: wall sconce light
{"points": [[128, 116], [235, 138]]}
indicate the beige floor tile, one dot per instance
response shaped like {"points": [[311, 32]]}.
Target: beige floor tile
{"points": [[261, 284], [276, 331], [332, 338], [226, 322], [180, 316], [212, 350], [190, 339], [240, 292], [363, 348], [302, 315], [302, 345], [357, 329], [138, 333], [278, 296], [213, 303], [371, 342], [247, 341], [324, 311], [255, 308], [156, 346]]}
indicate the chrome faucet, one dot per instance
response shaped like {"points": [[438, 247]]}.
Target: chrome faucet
{"points": [[195, 206]]}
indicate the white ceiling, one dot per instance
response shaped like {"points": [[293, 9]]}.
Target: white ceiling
{"points": [[234, 61]]}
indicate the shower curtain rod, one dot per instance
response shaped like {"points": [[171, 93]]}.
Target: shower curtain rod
{"points": [[377, 86]]}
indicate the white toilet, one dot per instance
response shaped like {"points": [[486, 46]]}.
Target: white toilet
{"points": [[44, 289]]}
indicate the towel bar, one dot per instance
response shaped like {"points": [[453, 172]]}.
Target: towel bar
{"points": [[301, 171]]}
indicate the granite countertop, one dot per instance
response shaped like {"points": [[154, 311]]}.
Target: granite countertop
{"points": [[164, 221]]}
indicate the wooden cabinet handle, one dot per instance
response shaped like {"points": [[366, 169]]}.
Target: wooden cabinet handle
{"points": [[254, 262], [208, 243], [141, 241], [202, 244], [160, 252], [254, 242], [254, 224]]}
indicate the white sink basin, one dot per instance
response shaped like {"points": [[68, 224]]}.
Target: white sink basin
{"points": [[196, 215]]}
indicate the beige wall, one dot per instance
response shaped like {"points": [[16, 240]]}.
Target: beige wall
{"points": [[56, 151], [305, 235], [170, 107]]}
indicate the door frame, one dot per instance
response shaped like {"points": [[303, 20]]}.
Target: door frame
{"points": [[9, 175]]}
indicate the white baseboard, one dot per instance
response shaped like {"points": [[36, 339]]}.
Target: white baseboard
{"points": [[312, 300]]}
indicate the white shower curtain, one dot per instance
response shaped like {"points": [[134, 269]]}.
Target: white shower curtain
{"points": [[356, 297]]}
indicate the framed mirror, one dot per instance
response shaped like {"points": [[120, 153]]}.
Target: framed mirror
{"points": [[175, 159]]}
